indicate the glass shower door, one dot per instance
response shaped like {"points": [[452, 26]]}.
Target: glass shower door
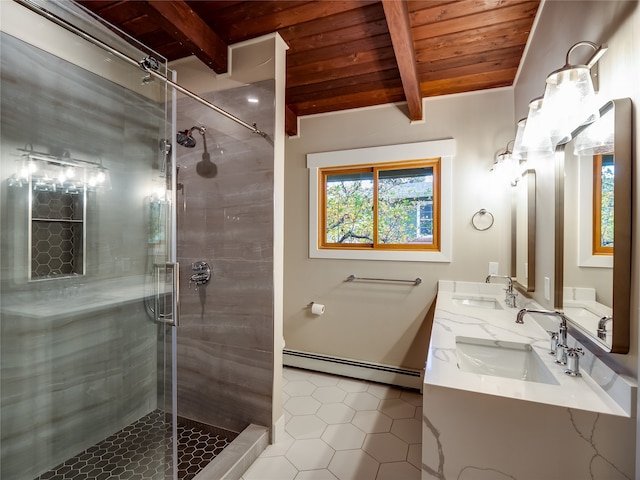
{"points": [[86, 245]]}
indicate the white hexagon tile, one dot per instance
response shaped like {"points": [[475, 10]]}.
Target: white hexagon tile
{"points": [[343, 429]]}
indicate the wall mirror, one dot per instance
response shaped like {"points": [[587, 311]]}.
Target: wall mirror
{"points": [[523, 232], [593, 228]]}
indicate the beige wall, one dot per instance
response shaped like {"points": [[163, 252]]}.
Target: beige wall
{"points": [[384, 323]]}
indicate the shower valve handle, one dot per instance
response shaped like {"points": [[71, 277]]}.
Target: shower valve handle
{"points": [[201, 275]]}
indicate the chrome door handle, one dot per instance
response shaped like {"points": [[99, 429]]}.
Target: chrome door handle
{"points": [[167, 300]]}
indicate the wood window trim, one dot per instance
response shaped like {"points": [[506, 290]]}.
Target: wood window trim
{"points": [[434, 163], [597, 248]]}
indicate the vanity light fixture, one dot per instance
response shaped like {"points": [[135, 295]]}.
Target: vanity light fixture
{"points": [[519, 151], [535, 136], [507, 164], [569, 97], [499, 159], [506, 154], [59, 173], [597, 138]]}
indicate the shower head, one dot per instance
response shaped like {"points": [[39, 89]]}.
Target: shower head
{"points": [[205, 168], [186, 139]]}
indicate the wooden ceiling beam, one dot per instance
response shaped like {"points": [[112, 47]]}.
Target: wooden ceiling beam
{"points": [[397, 17], [183, 24], [290, 121]]}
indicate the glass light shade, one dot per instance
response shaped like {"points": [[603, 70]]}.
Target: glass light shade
{"points": [[535, 138], [569, 101], [51, 173], [597, 138], [519, 151]]}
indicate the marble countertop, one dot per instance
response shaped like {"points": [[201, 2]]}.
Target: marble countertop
{"points": [[598, 390]]}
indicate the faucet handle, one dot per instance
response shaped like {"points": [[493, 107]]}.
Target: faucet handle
{"points": [[510, 298], [575, 351], [553, 344], [573, 361], [561, 354]]}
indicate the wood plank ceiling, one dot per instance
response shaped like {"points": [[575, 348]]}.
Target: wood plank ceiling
{"points": [[345, 53]]}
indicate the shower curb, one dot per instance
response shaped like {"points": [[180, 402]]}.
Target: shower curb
{"points": [[238, 456]]}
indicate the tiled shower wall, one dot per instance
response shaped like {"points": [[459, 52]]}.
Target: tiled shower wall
{"points": [[77, 364], [225, 338]]}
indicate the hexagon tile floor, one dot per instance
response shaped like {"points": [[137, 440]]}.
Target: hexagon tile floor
{"points": [[137, 452], [343, 429]]}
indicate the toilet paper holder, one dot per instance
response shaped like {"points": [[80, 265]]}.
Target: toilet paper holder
{"points": [[316, 308]]}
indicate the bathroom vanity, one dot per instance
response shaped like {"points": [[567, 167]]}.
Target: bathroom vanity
{"points": [[497, 406]]}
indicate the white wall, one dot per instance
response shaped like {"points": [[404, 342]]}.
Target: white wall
{"points": [[384, 323]]}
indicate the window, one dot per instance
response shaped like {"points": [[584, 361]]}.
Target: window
{"points": [[382, 203], [380, 207], [603, 176]]}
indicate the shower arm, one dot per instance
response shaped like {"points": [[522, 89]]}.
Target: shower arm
{"points": [[148, 64]]}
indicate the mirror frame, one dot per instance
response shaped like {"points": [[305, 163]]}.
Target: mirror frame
{"points": [[530, 176], [621, 307]]}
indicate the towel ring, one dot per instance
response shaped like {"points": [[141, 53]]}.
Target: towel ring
{"points": [[479, 215]]}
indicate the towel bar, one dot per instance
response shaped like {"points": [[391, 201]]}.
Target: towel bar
{"points": [[353, 278]]}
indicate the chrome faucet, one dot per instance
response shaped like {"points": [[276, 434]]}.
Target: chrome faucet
{"points": [[602, 326], [558, 339], [510, 295]]}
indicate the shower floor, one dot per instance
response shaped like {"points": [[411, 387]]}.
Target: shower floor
{"points": [[138, 452]]}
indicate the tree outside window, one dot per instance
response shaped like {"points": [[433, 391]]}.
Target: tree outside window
{"points": [[383, 206], [603, 208]]}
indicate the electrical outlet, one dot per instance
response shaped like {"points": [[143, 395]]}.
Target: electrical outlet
{"points": [[547, 288], [493, 268], [526, 270]]}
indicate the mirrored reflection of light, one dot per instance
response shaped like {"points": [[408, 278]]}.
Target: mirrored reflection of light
{"points": [[159, 194], [49, 172]]}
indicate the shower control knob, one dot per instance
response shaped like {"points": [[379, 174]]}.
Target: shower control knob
{"points": [[201, 275]]}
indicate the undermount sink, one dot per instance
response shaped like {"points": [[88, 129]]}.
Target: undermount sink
{"points": [[583, 316], [502, 359], [478, 302]]}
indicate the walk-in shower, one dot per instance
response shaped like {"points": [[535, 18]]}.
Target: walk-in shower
{"points": [[93, 383]]}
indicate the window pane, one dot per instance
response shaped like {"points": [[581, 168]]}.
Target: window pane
{"points": [[405, 206], [606, 201], [349, 208]]}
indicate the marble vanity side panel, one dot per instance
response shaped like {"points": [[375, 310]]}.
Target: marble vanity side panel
{"points": [[469, 436], [225, 338]]}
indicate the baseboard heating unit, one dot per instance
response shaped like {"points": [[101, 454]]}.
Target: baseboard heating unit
{"points": [[347, 367]]}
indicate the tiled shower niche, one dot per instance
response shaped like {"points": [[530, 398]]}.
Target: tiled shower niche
{"points": [[57, 233]]}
